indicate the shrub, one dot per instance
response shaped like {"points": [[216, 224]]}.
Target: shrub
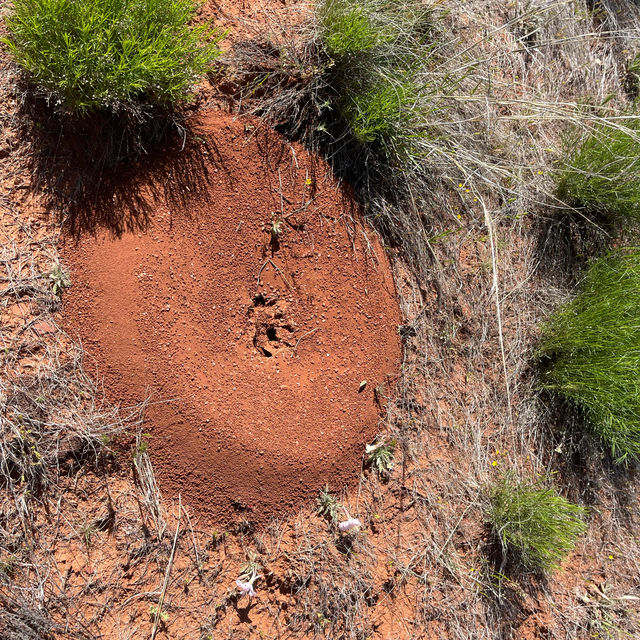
{"points": [[110, 54], [384, 92], [375, 73], [533, 524], [592, 349], [347, 29], [601, 172], [328, 506]]}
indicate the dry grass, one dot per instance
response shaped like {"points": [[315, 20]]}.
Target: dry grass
{"points": [[501, 84], [496, 258]]}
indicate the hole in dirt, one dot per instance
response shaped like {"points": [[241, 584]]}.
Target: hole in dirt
{"points": [[259, 300], [272, 335], [236, 426]]}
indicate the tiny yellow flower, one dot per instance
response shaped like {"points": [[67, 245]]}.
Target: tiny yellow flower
{"points": [[460, 184], [540, 173], [497, 452], [494, 463], [458, 216], [308, 181], [467, 190], [610, 557]]}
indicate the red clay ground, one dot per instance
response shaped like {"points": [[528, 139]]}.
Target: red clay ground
{"points": [[252, 348]]}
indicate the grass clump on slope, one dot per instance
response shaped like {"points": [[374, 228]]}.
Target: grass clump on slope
{"points": [[534, 525], [378, 53], [601, 172], [592, 348], [110, 55]]}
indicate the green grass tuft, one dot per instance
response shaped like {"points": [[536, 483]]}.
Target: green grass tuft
{"points": [[601, 172], [111, 54], [378, 54], [348, 30], [535, 526], [593, 348], [632, 80]]}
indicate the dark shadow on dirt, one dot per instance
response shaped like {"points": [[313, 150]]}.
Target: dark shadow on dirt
{"points": [[511, 605], [512, 589], [565, 244], [104, 172], [585, 468]]}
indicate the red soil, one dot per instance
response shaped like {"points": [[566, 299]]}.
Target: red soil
{"points": [[251, 347]]}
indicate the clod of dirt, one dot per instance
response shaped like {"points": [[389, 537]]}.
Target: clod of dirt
{"points": [[273, 328], [252, 356]]}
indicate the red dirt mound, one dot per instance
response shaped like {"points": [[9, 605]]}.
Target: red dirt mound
{"points": [[236, 290]]}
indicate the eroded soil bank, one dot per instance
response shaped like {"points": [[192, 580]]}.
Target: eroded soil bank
{"points": [[233, 285]]}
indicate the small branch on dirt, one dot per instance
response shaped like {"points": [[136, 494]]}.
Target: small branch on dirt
{"points": [[195, 543], [277, 268], [448, 540], [282, 196], [496, 291], [168, 572], [260, 272], [304, 335], [402, 491]]}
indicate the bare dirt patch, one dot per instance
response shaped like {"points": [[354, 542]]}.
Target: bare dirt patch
{"points": [[249, 305]]}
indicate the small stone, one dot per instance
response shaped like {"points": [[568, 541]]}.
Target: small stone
{"points": [[20, 309], [43, 327]]}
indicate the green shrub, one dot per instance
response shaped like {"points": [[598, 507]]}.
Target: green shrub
{"points": [[380, 456], [534, 525], [110, 54], [601, 172], [592, 348], [378, 54], [328, 506], [377, 111]]}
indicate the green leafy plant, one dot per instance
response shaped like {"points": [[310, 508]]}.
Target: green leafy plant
{"points": [[534, 526], [87, 531], [60, 279], [328, 506], [250, 569], [380, 456], [8, 566], [111, 54], [590, 350], [277, 225], [155, 612], [601, 171]]}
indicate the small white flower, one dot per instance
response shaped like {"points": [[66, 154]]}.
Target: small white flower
{"points": [[349, 524], [246, 587]]}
